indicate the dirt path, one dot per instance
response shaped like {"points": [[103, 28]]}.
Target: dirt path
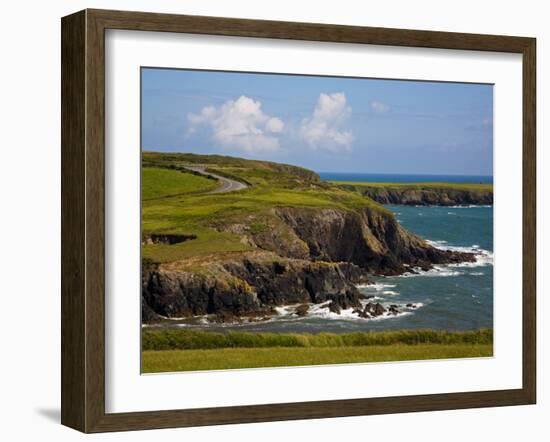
{"points": [[226, 184]]}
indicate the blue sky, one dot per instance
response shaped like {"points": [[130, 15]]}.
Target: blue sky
{"points": [[328, 124]]}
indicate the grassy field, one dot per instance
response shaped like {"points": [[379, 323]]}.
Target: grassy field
{"points": [[178, 202], [231, 358], [162, 183], [185, 350], [417, 186], [177, 339]]}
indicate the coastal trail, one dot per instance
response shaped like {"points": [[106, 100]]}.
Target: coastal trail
{"points": [[226, 184]]}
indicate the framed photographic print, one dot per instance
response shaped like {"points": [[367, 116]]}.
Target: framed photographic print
{"points": [[269, 220]]}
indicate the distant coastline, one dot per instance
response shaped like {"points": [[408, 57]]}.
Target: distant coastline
{"points": [[405, 178]]}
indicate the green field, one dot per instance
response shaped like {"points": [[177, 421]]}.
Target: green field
{"points": [[162, 183], [177, 339], [231, 358], [186, 350]]}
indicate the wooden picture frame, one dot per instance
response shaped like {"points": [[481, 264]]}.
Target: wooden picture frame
{"points": [[83, 216]]}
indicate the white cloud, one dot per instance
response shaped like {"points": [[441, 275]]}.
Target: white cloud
{"points": [[379, 107], [240, 124], [325, 128]]}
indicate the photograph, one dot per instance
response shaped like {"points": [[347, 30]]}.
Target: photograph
{"points": [[302, 220]]}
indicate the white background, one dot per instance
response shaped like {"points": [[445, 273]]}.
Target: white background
{"points": [[29, 182], [128, 391]]}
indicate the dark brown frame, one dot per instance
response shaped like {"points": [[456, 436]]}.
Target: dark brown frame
{"points": [[83, 215]]}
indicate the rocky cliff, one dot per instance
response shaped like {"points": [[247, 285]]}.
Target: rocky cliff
{"points": [[245, 285], [300, 255], [431, 196]]}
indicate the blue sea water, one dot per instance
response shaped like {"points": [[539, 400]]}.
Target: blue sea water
{"points": [[404, 178]]}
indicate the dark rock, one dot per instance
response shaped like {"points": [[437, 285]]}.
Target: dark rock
{"points": [[302, 310], [378, 309], [362, 313], [223, 317], [334, 307], [393, 310]]}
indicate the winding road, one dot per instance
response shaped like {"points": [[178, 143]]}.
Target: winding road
{"points": [[226, 184]]}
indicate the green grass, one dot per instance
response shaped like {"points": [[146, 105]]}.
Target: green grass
{"points": [[232, 358], [161, 183], [174, 339], [417, 186], [208, 242]]}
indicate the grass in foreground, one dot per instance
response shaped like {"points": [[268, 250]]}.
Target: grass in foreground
{"points": [[232, 358], [189, 350], [174, 339]]}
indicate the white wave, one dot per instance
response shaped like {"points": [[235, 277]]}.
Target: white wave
{"points": [[477, 273], [285, 310], [321, 311], [417, 305], [483, 257], [388, 315], [468, 206], [390, 292], [379, 286], [436, 243], [436, 271]]}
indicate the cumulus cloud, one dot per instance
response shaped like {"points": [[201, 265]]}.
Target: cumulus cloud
{"points": [[240, 124], [325, 129], [379, 107]]}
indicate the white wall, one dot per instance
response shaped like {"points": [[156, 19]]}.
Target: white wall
{"points": [[30, 216]]}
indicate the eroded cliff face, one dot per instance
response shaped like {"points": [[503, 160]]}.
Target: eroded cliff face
{"points": [[429, 197], [371, 239], [245, 285], [300, 255]]}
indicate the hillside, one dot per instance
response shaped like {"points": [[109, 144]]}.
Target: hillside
{"points": [[285, 238]]}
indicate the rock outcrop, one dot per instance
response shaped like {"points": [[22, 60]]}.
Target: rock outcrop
{"points": [[370, 238], [429, 196], [249, 284]]}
